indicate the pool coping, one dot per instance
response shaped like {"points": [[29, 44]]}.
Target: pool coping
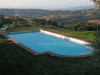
{"points": [[69, 38], [48, 52]]}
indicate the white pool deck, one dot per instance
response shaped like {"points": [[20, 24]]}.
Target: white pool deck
{"points": [[65, 37]]}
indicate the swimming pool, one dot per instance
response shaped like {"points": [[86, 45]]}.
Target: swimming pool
{"points": [[40, 42]]}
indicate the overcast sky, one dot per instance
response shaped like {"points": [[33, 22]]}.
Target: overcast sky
{"points": [[44, 4]]}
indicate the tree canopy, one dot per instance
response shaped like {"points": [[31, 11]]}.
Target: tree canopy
{"points": [[97, 3], [1, 20]]}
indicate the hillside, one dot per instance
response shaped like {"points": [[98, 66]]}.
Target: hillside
{"points": [[22, 12], [69, 16], [65, 16], [75, 8]]}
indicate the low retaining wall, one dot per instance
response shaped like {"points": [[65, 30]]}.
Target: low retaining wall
{"points": [[65, 37]]}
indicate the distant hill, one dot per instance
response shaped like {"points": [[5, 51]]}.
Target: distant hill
{"points": [[34, 12], [56, 15], [22, 12], [70, 15], [68, 12], [76, 8]]}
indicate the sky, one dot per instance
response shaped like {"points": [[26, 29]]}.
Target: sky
{"points": [[44, 4]]}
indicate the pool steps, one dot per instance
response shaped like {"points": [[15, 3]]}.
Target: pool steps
{"points": [[65, 37]]}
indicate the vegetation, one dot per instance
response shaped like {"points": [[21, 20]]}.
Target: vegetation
{"points": [[10, 21], [20, 24], [97, 3], [4, 21], [44, 22], [81, 26], [34, 23]]}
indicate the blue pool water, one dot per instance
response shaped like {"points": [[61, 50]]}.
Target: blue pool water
{"points": [[41, 42]]}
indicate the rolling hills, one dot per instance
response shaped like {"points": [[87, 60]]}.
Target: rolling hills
{"points": [[22, 12]]}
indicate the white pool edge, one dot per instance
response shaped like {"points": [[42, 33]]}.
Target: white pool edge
{"points": [[65, 37]]}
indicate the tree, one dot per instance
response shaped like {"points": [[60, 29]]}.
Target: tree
{"points": [[66, 27], [97, 3], [1, 20], [60, 25], [13, 23], [1, 17], [1, 24]]}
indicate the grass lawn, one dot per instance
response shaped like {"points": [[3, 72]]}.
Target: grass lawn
{"points": [[20, 29], [15, 60]]}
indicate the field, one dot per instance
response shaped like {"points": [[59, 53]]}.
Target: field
{"points": [[15, 60]]}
